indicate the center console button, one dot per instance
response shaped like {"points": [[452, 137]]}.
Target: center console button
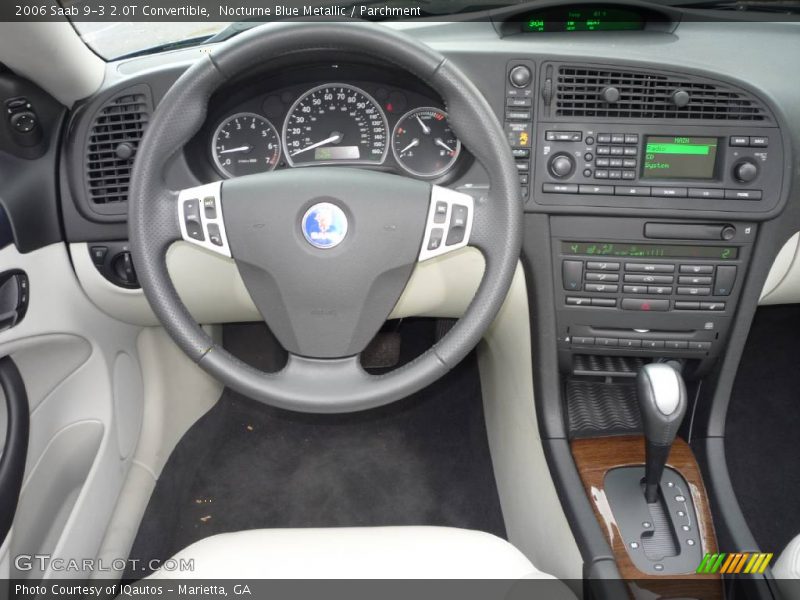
{"points": [[601, 276], [694, 291], [684, 305], [648, 278], [560, 188], [602, 266], [630, 343], [676, 345], [634, 289], [625, 190], [601, 287], [596, 189], [650, 268], [583, 341], [743, 194], [629, 151], [692, 280], [723, 283], [653, 344], [669, 192], [699, 269], [645, 304], [659, 290], [708, 193], [604, 341], [715, 306], [605, 302], [572, 273], [631, 138], [617, 138], [739, 140], [604, 138], [699, 345], [578, 301]]}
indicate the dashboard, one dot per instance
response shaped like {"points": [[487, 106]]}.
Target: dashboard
{"points": [[331, 113]]}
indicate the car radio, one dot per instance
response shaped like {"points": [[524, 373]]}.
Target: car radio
{"points": [[688, 167]]}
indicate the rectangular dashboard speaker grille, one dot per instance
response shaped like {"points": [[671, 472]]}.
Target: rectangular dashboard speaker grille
{"points": [[113, 140], [622, 94]]}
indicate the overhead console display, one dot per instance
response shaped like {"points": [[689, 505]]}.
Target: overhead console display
{"points": [[583, 18], [679, 157]]}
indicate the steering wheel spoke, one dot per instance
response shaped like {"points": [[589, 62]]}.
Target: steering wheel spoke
{"points": [[449, 223], [200, 218]]}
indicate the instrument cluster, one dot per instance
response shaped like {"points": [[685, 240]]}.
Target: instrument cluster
{"points": [[340, 122]]}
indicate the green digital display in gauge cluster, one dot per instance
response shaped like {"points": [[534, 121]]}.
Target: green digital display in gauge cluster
{"points": [[583, 18], [648, 250], [679, 157]]}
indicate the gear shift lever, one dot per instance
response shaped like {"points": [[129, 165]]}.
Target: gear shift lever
{"points": [[662, 402]]}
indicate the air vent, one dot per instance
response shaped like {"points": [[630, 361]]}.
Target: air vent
{"points": [[594, 92], [112, 143]]}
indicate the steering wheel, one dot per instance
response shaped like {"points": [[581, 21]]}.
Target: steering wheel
{"points": [[324, 252]]}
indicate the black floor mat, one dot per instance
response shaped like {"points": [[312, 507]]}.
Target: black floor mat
{"points": [[421, 461], [762, 428]]}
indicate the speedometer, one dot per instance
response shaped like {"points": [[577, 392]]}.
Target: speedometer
{"points": [[335, 123]]}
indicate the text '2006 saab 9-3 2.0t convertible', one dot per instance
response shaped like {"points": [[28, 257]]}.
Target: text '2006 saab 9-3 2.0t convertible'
{"points": [[501, 291]]}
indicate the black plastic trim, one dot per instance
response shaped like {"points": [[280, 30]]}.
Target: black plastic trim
{"points": [[15, 451]]}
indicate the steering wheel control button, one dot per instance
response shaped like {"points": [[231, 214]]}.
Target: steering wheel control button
{"points": [[214, 234], [191, 217], [200, 217], [435, 240], [440, 216], [453, 208], [324, 225], [210, 207]]}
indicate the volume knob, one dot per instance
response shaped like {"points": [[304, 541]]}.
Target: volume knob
{"points": [[745, 171], [561, 166]]}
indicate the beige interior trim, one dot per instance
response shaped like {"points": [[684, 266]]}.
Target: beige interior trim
{"points": [[783, 281]]}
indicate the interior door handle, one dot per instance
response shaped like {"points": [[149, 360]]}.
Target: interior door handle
{"points": [[14, 296], [15, 451]]}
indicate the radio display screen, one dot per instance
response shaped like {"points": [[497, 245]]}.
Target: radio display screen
{"points": [[649, 250], [675, 157]]}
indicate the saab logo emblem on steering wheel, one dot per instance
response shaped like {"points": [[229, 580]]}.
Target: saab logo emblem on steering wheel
{"points": [[324, 225]]}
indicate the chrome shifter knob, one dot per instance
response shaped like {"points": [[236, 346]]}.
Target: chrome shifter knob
{"points": [[662, 403]]}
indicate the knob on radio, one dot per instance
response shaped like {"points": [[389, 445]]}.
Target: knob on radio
{"points": [[745, 171], [561, 165]]}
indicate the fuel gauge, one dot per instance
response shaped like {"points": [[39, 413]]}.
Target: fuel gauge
{"points": [[423, 143]]}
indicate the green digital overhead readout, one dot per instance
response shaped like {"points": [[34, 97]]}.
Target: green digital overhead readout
{"points": [[583, 18], [648, 250], [679, 157]]}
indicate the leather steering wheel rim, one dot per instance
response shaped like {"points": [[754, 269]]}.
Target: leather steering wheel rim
{"points": [[332, 384]]}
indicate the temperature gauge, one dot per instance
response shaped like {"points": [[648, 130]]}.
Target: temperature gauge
{"points": [[423, 143]]}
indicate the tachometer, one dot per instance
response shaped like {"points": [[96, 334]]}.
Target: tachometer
{"points": [[244, 144], [423, 143], [335, 123]]}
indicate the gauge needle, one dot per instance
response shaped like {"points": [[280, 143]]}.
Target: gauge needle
{"points": [[414, 142], [425, 129], [439, 142], [334, 138], [239, 149]]}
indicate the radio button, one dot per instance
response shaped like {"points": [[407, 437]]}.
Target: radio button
{"points": [[759, 141], [560, 188], [617, 138], [615, 162], [629, 151], [739, 140], [631, 138], [603, 162], [675, 345], [588, 157], [616, 151], [684, 305], [603, 138], [596, 189], [708, 193], [691, 280], [631, 191], [650, 268], [743, 194], [629, 163], [601, 174], [645, 304], [699, 269], [589, 140], [630, 343], [606, 341], [583, 341], [603, 150], [669, 192], [699, 345], [518, 102], [629, 174], [694, 291], [615, 174], [653, 344], [602, 266]]}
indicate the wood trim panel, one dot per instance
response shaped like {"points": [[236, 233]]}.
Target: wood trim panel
{"points": [[594, 457]]}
